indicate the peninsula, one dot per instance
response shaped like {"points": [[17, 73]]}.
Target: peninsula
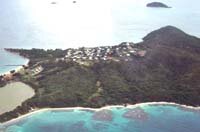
{"points": [[164, 67]]}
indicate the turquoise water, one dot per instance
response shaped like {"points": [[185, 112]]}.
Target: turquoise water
{"points": [[7, 58], [149, 118]]}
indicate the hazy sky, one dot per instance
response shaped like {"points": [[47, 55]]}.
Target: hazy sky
{"points": [[38, 23]]}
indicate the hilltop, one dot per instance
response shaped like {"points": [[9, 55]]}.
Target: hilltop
{"points": [[164, 67]]}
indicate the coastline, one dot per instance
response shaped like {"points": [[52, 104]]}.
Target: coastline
{"points": [[37, 110], [18, 68], [62, 60]]}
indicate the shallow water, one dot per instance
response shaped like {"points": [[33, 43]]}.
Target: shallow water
{"points": [[13, 94], [153, 118]]}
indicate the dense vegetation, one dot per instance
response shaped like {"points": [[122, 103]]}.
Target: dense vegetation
{"points": [[169, 72]]}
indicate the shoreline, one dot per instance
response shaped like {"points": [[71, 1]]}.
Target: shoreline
{"points": [[38, 110], [35, 106], [18, 68]]}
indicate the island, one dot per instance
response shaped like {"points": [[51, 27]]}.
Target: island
{"points": [[157, 5], [164, 67], [53, 2]]}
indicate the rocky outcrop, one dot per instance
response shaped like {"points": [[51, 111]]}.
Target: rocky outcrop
{"points": [[137, 114], [103, 115]]}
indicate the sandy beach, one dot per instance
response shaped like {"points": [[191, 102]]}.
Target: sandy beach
{"points": [[37, 110]]}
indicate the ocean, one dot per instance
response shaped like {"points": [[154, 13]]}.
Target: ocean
{"points": [[40, 24], [143, 118]]}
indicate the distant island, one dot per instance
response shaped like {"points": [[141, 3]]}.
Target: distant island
{"points": [[53, 2], [157, 5], [164, 67]]}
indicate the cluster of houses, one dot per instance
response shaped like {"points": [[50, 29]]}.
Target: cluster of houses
{"points": [[120, 52]]}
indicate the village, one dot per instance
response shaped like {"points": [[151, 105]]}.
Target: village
{"points": [[122, 52], [84, 56]]}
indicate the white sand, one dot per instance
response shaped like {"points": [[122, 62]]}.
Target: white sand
{"points": [[34, 111]]}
